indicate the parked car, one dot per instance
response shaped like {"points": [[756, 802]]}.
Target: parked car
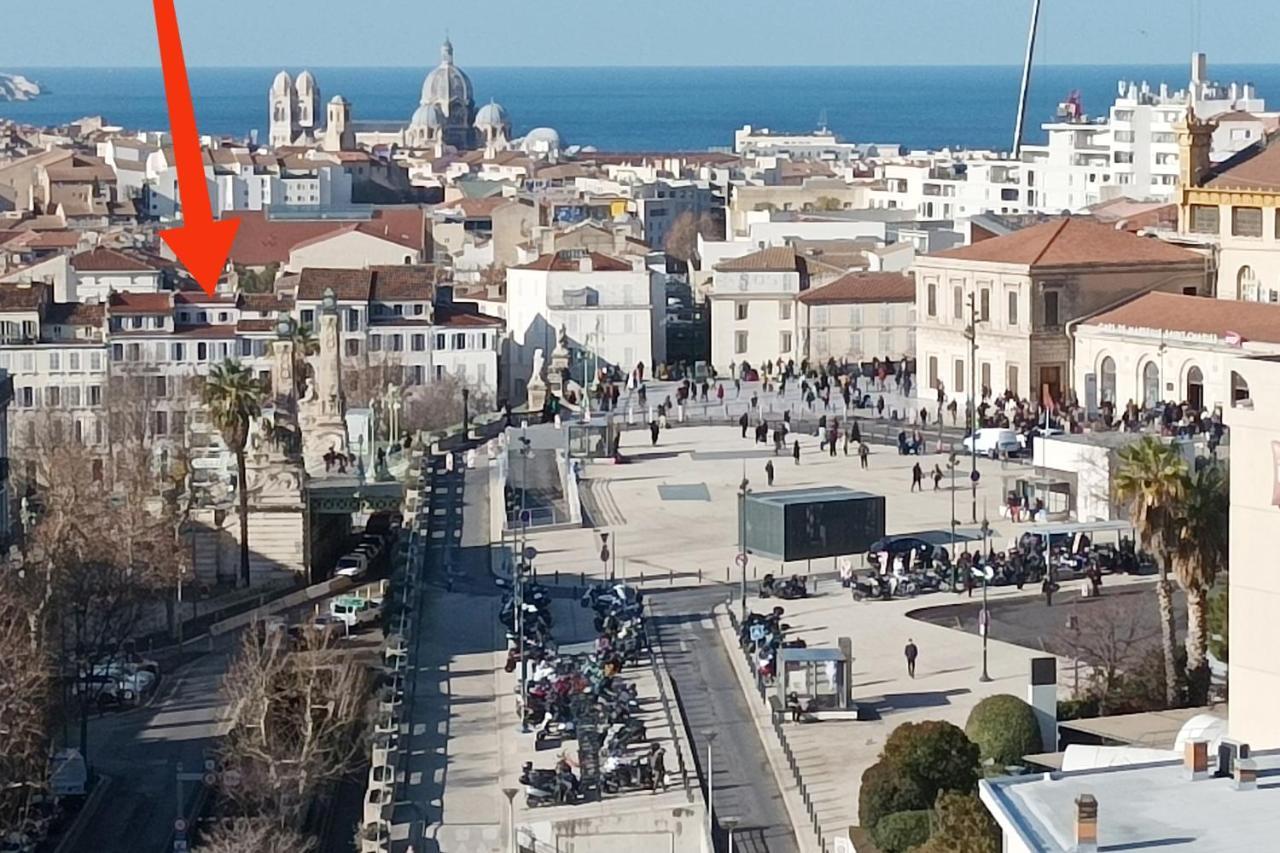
{"points": [[354, 611], [993, 442], [352, 566], [112, 684]]}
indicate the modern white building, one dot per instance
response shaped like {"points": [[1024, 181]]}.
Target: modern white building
{"points": [[612, 309], [755, 308]]}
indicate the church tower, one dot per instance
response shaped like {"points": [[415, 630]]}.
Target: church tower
{"points": [[338, 134], [308, 97], [283, 103]]}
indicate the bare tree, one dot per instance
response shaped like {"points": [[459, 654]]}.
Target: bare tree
{"points": [[254, 835], [24, 713], [439, 404], [296, 723], [1110, 639]]}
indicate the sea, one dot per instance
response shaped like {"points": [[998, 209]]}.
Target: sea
{"points": [[633, 109]]}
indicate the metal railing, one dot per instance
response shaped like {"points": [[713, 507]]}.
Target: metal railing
{"points": [[660, 675]]}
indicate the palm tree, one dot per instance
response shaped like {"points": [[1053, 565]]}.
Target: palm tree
{"points": [[1200, 549], [304, 344], [1151, 481], [234, 397]]}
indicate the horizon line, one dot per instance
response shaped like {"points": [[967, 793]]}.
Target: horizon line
{"points": [[136, 67]]}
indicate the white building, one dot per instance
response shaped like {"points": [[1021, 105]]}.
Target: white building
{"points": [[858, 317], [612, 309], [754, 308]]}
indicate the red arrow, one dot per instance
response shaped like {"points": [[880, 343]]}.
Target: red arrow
{"points": [[203, 243]]}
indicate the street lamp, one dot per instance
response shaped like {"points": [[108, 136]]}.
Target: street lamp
{"points": [[466, 420], [710, 736], [985, 624], [512, 841], [744, 489], [953, 462], [971, 333], [730, 824]]}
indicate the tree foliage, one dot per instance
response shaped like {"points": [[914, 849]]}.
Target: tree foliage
{"points": [[1200, 550], [885, 791], [900, 831], [234, 397], [1005, 728], [25, 682], [254, 835], [962, 824], [258, 281], [935, 755]]}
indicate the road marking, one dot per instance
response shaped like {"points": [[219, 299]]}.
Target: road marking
{"points": [[707, 623], [684, 646]]}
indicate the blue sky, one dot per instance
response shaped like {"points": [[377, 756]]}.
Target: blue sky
{"points": [[640, 32]]}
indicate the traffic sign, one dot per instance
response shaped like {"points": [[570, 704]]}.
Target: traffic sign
{"points": [[974, 475], [180, 825], [604, 554], [741, 560], [210, 779]]}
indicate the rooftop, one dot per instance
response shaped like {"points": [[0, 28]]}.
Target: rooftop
{"points": [[568, 262], [1200, 315], [381, 283], [109, 260], [1142, 807], [1256, 167], [1071, 242], [863, 287], [771, 259], [141, 303]]}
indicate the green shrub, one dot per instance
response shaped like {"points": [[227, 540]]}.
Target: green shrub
{"points": [[900, 831], [884, 791], [1005, 729], [935, 755], [962, 824]]}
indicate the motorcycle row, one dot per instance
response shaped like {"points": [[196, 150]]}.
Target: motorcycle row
{"points": [[761, 635], [929, 569], [566, 692]]}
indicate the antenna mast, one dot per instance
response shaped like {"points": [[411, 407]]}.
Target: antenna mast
{"points": [[1026, 79]]}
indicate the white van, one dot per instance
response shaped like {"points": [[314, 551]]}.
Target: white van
{"points": [[353, 610], [993, 442], [353, 565]]}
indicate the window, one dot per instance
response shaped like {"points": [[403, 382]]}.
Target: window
{"points": [[984, 305], [135, 322], [375, 343], [161, 386], [55, 361], [95, 361], [628, 323], [53, 396], [353, 320], [133, 352], [933, 300], [1011, 375], [352, 348], [957, 384], [739, 342], [1247, 284], [29, 362], [95, 395], [784, 310], [1051, 308], [202, 317], [784, 342], [246, 347], [986, 374], [418, 309], [223, 316], [1246, 221], [157, 322], [459, 341], [419, 343], [957, 302], [308, 317], [933, 371], [1205, 219], [177, 352], [160, 422], [740, 310], [73, 361], [439, 342], [202, 351], [27, 398]]}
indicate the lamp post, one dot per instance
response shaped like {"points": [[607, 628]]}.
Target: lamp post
{"points": [[972, 334], [730, 824], [518, 567], [466, 412], [710, 736], [953, 462], [513, 843], [744, 489], [986, 614]]}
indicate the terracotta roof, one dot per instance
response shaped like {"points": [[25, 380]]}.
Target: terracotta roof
{"points": [[54, 240], [75, 314], [863, 287], [193, 296], [1256, 167], [261, 241], [382, 283], [141, 303], [218, 331], [347, 285], [404, 282], [15, 297], [265, 303], [1253, 321], [255, 325], [771, 259], [109, 260], [566, 262], [1071, 242], [474, 208], [455, 316]]}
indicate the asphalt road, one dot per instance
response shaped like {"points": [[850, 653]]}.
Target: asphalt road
{"points": [[712, 700]]}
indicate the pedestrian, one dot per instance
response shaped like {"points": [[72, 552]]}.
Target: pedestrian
{"points": [[654, 429], [657, 768], [831, 441], [768, 471], [863, 453], [719, 392], [795, 451], [937, 477], [1047, 587], [742, 422], [880, 408], [737, 387], [911, 653], [847, 439], [917, 478]]}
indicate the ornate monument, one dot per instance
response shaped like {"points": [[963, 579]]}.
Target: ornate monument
{"points": [[274, 465], [537, 385], [559, 367], [323, 411]]}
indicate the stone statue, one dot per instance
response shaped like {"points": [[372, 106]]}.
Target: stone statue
{"points": [[309, 391], [539, 362]]}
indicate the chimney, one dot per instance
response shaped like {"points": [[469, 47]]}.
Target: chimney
{"points": [[1086, 824], [584, 264], [1195, 759], [1230, 751], [1246, 778]]}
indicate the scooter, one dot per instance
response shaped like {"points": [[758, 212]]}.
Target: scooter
{"points": [[548, 787], [631, 732], [553, 727], [618, 774]]}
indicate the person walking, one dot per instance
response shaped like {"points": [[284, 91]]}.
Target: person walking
{"points": [[795, 451], [937, 477], [657, 768], [1047, 588], [742, 422], [863, 453], [847, 439], [911, 653], [719, 392], [917, 478], [737, 387], [768, 471], [654, 429]]}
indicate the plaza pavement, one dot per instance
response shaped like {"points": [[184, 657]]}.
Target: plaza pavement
{"points": [[673, 539]]}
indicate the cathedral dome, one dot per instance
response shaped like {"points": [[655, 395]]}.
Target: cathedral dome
{"points": [[428, 116], [542, 139], [306, 82], [447, 84], [492, 116], [283, 83]]}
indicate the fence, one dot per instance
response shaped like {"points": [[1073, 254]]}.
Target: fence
{"points": [[661, 676], [775, 720]]}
